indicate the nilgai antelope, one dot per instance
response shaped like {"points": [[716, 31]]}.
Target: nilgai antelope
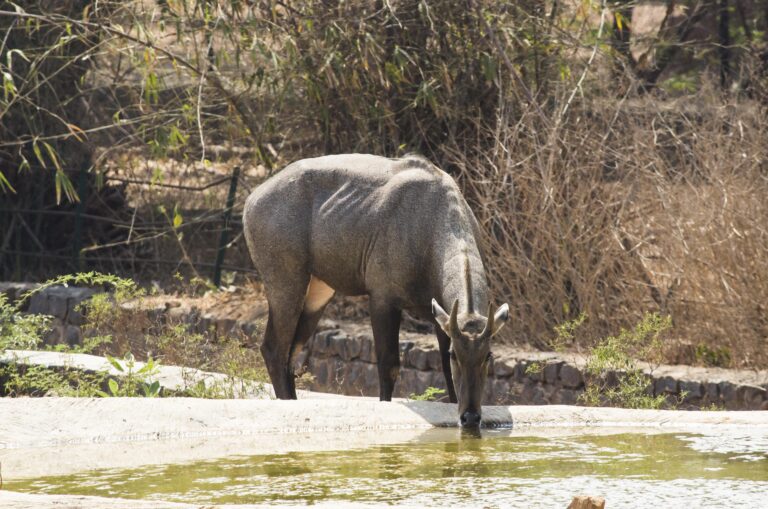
{"points": [[398, 230]]}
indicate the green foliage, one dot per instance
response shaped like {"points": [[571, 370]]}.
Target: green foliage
{"points": [[123, 288], [564, 333], [243, 367], [20, 380], [20, 331], [25, 331], [133, 382], [719, 357], [534, 368], [230, 388], [642, 341], [613, 376], [429, 394]]}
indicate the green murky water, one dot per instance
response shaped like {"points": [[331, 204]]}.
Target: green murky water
{"points": [[449, 469]]}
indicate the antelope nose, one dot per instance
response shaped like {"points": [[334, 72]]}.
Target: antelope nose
{"points": [[470, 419]]}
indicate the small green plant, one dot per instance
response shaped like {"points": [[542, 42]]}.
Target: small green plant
{"points": [[429, 394], [230, 388], [565, 332], [135, 382], [534, 368], [613, 377]]}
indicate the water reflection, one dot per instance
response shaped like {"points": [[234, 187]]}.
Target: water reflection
{"points": [[485, 468], [470, 433]]}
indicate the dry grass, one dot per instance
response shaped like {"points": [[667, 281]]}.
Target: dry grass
{"points": [[629, 208]]}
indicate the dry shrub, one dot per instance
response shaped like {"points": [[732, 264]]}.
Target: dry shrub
{"points": [[550, 219], [625, 208]]}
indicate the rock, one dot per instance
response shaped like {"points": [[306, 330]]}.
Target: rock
{"points": [[571, 377], [587, 502], [405, 346], [423, 381], [38, 304], [520, 370], [728, 395], [503, 368], [434, 362], [336, 369], [371, 374], [55, 334], [73, 336], [665, 385], [417, 358], [347, 348], [551, 370], [533, 394], [407, 382], [566, 397], [751, 396], [500, 392], [57, 305], [14, 291], [354, 379], [711, 392], [321, 343], [76, 297], [319, 369], [367, 352], [436, 379], [177, 314], [693, 389]]}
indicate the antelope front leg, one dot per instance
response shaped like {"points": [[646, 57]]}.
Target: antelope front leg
{"points": [[385, 320]]}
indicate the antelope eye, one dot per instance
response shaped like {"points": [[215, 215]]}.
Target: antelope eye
{"points": [[489, 357], [453, 355]]}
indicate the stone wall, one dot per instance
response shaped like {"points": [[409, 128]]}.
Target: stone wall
{"points": [[59, 302], [341, 359]]}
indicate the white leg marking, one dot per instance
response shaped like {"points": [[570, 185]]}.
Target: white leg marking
{"points": [[318, 295]]}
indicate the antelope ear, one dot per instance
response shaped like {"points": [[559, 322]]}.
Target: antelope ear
{"points": [[500, 317], [440, 315]]}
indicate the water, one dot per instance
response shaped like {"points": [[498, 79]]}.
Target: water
{"points": [[454, 469]]}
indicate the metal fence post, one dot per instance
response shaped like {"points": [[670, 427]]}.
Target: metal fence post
{"points": [[224, 238]]}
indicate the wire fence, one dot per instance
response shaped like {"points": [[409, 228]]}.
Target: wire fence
{"points": [[127, 238]]}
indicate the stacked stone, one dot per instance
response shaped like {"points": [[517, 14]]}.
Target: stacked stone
{"points": [[59, 302], [344, 361]]}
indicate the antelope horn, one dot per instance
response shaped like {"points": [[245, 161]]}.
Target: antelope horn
{"points": [[488, 330], [453, 322]]}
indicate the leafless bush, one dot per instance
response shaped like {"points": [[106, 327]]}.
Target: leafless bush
{"points": [[629, 207]]}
